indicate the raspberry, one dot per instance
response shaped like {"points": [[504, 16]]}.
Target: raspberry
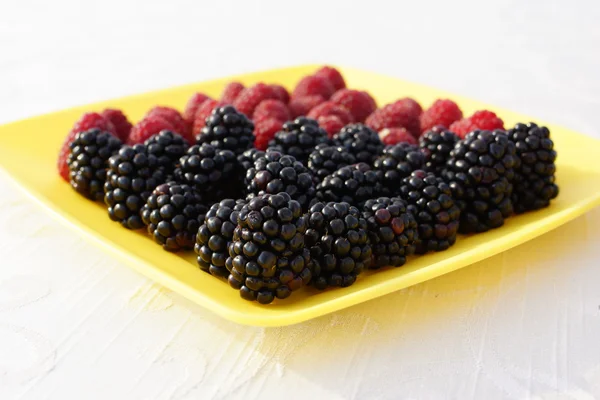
{"points": [[360, 104], [271, 109], [410, 104], [175, 119], [396, 135], [333, 76], [231, 92], [311, 85], [331, 108], [147, 127], [401, 114], [252, 96], [204, 112], [265, 130], [442, 112], [300, 106], [483, 120], [331, 123], [192, 106], [281, 92], [86, 122], [119, 121]]}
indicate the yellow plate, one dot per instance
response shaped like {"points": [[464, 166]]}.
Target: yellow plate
{"points": [[28, 151]]}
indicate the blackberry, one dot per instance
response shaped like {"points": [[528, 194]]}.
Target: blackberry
{"points": [[246, 161], [480, 174], [90, 151], [325, 160], [267, 257], [131, 177], [436, 145], [360, 140], [298, 138], [338, 243], [352, 184], [173, 213], [429, 199], [215, 234], [168, 147], [208, 170], [397, 162], [392, 230], [274, 173], [227, 129], [534, 183]]}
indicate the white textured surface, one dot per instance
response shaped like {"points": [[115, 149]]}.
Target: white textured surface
{"points": [[76, 324]]}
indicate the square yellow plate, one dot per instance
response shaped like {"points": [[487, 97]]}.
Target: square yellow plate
{"points": [[28, 151]]}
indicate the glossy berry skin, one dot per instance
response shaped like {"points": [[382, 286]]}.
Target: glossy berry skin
{"points": [[360, 140], [275, 173], [246, 161], [436, 145], [535, 169], [480, 173], [172, 214], [325, 160], [397, 162], [227, 129], [430, 200], [392, 230], [215, 234], [298, 138], [131, 177], [267, 257], [353, 184], [338, 243], [88, 160], [168, 147]]}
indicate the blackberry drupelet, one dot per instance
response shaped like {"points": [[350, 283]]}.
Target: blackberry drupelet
{"points": [[268, 259], [436, 145], [210, 171], [352, 184], [480, 174], [131, 177], [397, 162], [246, 161], [274, 173], [392, 230], [298, 138], [173, 213], [88, 160], [338, 243], [168, 147], [534, 184], [227, 129], [325, 160], [429, 199], [215, 234], [360, 140]]}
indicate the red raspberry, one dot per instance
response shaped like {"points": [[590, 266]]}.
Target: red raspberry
{"points": [[396, 135], [282, 93], [331, 123], [119, 121], [442, 112], [251, 97], [333, 76], [311, 85], [265, 130], [147, 127], [401, 114], [331, 108], [231, 92], [479, 120], [411, 105], [86, 122], [203, 112], [192, 105], [271, 109], [360, 104], [302, 105]]}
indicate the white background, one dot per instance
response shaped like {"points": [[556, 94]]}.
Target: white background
{"points": [[77, 324]]}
